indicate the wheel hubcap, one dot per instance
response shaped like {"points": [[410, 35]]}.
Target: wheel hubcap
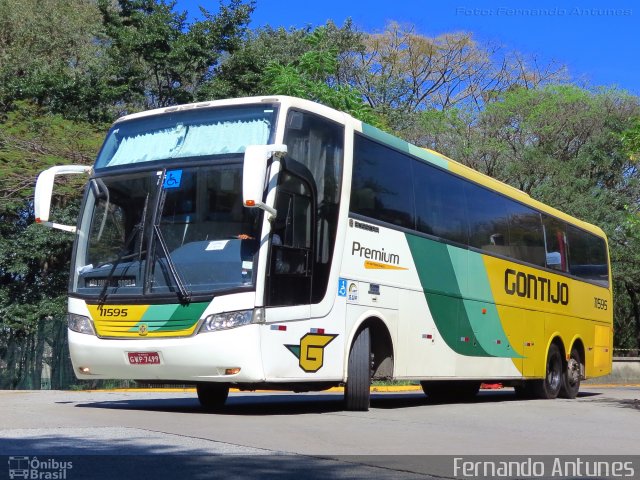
{"points": [[573, 371]]}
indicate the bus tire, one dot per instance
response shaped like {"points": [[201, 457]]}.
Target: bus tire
{"points": [[212, 395], [549, 387], [357, 388], [571, 375]]}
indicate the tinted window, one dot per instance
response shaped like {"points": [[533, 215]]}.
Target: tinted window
{"points": [[488, 220], [440, 205], [318, 144], [382, 185], [587, 256], [525, 235], [556, 243]]}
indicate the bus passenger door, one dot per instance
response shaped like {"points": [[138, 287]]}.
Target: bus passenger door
{"points": [[289, 278]]}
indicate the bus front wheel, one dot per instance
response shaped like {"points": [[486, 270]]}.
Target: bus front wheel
{"points": [[212, 395], [549, 387], [357, 388]]}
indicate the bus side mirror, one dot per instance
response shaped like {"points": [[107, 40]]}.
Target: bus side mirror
{"points": [[254, 175], [44, 190]]}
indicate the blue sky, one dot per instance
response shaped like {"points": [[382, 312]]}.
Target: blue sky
{"points": [[599, 41]]}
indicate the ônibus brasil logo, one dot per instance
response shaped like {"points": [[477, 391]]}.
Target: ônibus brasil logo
{"points": [[36, 469]]}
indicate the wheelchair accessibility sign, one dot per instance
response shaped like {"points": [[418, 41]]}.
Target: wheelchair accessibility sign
{"points": [[342, 287]]}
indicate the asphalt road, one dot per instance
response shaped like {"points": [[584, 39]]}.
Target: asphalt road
{"points": [[276, 435]]}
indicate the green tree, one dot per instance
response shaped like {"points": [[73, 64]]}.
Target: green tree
{"points": [[243, 72], [159, 59], [314, 76], [34, 261], [402, 70], [50, 53]]}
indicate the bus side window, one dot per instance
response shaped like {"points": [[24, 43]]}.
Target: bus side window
{"points": [[488, 220], [587, 256], [555, 243]]}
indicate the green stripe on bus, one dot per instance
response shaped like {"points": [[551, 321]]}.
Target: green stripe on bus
{"points": [[171, 317], [459, 296], [406, 147], [483, 314], [435, 266], [159, 312]]}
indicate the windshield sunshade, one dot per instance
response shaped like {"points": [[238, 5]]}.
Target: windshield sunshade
{"points": [[186, 134]]}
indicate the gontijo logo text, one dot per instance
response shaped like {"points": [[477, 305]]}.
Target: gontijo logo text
{"points": [[376, 259], [535, 287]]}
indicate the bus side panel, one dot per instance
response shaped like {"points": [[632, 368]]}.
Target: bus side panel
{"points": [[552, 305], [421, 351], [298, 348], [602, 351]]}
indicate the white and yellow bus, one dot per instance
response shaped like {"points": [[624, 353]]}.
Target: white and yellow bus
{"points": [[276, 243]]}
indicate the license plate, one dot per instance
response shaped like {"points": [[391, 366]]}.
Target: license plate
{"points": [[144, 358]]}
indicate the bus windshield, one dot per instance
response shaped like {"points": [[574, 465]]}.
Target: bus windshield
{"points": [[166, 232], [186, 134]]}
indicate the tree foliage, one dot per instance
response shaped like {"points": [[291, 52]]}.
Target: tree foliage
{"points": [[313, 76], [34, 261], [50, 53], [158, 59], [402, 70]]}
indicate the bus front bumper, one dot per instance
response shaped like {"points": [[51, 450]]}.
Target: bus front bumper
{"points": [[207, 357]]}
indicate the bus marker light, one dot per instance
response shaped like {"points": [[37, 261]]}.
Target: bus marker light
{"points": [[499, 342], [232, 371], [280, 328], [464, 339], [484, 311], [428, 336], [317, 330]]}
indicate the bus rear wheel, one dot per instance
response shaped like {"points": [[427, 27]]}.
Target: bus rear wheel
{"points": [[357, 388], [550, 386], [212, 395], [571, 375]]}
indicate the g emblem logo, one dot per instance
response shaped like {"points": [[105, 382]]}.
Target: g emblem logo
{"points": [[310, 351]]}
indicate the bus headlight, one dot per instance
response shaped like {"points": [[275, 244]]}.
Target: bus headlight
{"points": [[80, 324], [222, 321]]}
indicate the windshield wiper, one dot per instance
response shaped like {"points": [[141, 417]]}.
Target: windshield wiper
{"points": [[183, 293], [137, 229]]}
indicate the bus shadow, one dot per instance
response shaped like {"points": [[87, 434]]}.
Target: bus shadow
{"points": [[253, 404], [245, 404]]}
